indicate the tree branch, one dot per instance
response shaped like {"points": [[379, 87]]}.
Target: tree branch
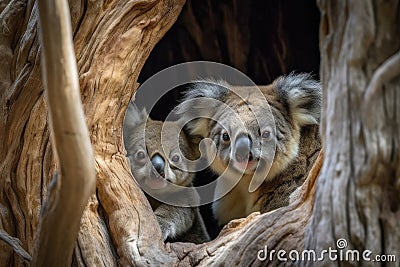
{"points": [[15, 243], [61, 214], [241, 239], [386, 72]]}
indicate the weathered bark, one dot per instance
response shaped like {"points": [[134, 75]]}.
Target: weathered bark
{"points": [[240, 240], [67, 198], [112, 41], [15, 243], [358, 192], [355, 197]]}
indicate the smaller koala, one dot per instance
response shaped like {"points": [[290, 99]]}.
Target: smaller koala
{"points": [[155, 165]]}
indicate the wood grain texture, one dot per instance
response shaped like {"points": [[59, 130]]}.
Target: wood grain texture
{"points": [[112, 41], [62, 211], [358, 194], [351, 192], [240, 240]]}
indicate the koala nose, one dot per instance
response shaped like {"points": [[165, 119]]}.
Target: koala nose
{"points": [[159, 164], [243, 148]]}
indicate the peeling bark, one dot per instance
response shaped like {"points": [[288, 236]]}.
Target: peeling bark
{"points": [[351, 192], [358, 190], [240, 240], [112, 41]]}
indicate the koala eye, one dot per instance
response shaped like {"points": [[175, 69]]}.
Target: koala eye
{"points": [[225, 137], [266, 134], [140, 155], [175, 158]]}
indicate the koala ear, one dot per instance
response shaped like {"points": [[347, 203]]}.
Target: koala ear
{"points": [[197, 105], [134, 117], [302, 94]]}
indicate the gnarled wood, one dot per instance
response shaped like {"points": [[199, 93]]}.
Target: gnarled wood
{"points": [[241, 240], [112, 41], [355, 197], [15, 244], [61, 213], [358, 193]]}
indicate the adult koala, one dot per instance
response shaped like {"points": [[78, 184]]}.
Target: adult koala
{"points": [[255, 131]]}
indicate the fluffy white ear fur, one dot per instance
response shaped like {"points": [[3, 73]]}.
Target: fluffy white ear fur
{"points": [[303, 96]]}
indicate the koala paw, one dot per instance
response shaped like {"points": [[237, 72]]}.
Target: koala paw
{"points": [[167, 229]]}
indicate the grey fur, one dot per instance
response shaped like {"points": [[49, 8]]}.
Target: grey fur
{"points": [[217, 89], [294, 101], [202, 91], [176, 223], [133, 118]]}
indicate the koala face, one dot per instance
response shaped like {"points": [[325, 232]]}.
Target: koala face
{"points": [[242, 134], [256, 130], [155, 160]]}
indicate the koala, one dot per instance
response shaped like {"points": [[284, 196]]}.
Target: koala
{"points": [[155, 165], [251, 139]]}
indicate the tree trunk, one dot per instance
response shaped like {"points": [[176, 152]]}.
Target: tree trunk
{"points": [[356, 194], [112, 41], [358, 191]]}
